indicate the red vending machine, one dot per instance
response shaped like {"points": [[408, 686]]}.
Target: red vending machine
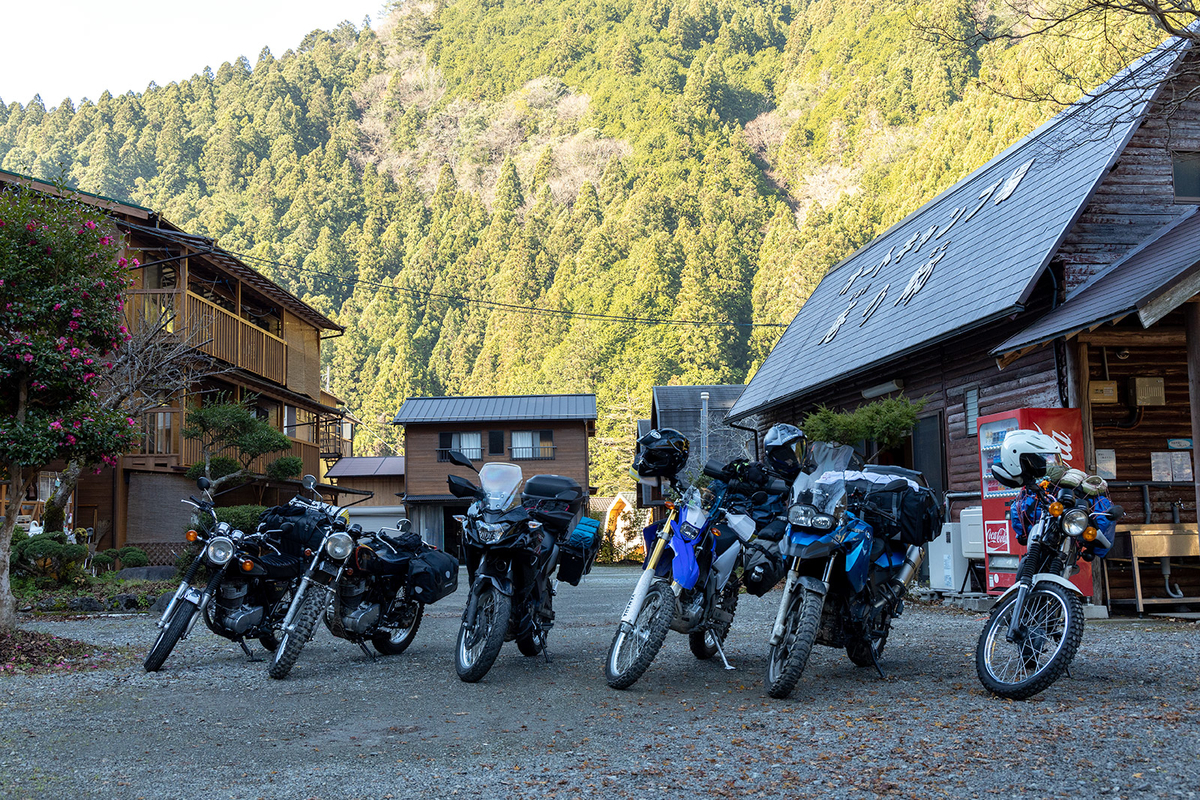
{"points": [[1000, 543]]}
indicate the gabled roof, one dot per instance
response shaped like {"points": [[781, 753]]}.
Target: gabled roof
{"points": [[673, 399], [367, 467], [970, 256], [1138, 282], [482, 409]]}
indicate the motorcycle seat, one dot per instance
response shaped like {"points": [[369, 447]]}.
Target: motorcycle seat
{"points": [[282, 566]]}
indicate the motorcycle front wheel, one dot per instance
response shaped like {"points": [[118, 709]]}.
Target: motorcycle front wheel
{"points": [[479, 644], [787, 660], [292, 642], [406, 620], [633, 649], [181, 615], [704, 643], [1048, 634]]}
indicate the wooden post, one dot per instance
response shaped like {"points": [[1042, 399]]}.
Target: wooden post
{"points": [[1192, 314]]}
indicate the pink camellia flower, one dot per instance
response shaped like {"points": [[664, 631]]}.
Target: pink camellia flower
{"points": [[121, 261], [87, 361], [70, 439], [72, 325], [90, 225], [56, 425], [105, 240], [49, 249], [1, 279], [136, 263], [77, 312], [130, 421], [27, 358], [31, 227], [76, 352], [88, 376], [57, 306]]}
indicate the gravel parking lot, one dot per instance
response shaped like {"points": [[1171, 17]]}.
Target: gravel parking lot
{"points": [[1127, 724]]}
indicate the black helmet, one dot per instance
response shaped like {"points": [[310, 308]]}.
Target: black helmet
{"points": [[786, 447], [661, 454]]}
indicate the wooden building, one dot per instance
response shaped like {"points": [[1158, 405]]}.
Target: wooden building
{"points": [[543, 434], [383, 477], [1059, 274], [264, 342]]}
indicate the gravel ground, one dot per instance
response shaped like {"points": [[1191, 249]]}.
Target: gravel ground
{"points": [[1127, 724]]}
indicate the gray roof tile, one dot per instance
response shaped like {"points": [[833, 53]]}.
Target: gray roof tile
{"points": [[512, 407], [366, 466]]}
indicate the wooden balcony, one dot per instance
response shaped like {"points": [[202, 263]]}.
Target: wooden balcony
{"points": [[221, 333]]}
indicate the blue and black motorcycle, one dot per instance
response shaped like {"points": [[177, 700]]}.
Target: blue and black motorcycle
{"points": [[845, 581]]}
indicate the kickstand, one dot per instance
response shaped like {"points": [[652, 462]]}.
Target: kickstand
{"points": [[721, 653], [875, 661], [366, 650], [250, 655], [1068, 668], [545, 650]]}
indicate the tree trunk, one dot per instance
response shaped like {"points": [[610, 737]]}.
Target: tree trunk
{"points": [[17, 486], [68, 479]]}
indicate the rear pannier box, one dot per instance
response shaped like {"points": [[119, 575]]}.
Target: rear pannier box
{"points": [[540, 496], [577, 551]]}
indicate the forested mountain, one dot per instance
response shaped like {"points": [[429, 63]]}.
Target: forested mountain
{"points": [[701, 161]]}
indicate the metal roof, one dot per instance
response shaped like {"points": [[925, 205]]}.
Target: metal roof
{"points": [[679, 407], [510, 407], [970, 256], [367, 467], [1157, 265], [669, 399]]}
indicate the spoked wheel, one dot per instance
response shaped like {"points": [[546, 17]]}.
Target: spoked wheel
{"points": [[403, 623], [181, 615], [1048, 634], [633, 649], [292, 642], [479, 644], [269, 638], [787, 660], [704, 643]]}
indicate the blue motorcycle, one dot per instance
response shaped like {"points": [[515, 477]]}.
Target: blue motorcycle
{"points": [[845, 581]]}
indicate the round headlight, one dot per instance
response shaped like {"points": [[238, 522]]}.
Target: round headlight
{"points": [[802, 515], [1075, 522], [823, 522], [220, 550], [339, 546]]}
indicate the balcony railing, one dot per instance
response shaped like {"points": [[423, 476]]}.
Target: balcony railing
{"points": [[473, 453], [544, 452], [310, 455]]}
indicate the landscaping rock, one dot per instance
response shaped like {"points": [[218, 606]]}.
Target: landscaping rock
{"points": [[160, 605], [48, 604], [125, 602], [87, 605], [147, 573]]}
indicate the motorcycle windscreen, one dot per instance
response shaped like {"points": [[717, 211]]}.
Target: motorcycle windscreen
{"points": [[499, 482]]}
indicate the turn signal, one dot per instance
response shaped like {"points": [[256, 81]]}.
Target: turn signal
{"points": [[1056, 509], [247, 565], [191, 536], [1089, 534], [308, 552], [669, 503]]}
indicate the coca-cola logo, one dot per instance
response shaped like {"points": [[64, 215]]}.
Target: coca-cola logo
{"points": [[1064, 441], [995, 537]]}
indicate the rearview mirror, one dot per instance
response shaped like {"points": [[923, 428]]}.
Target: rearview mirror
{"points": [[758, 498], [308, 482], [458, 458], [203, 483], [461, 487], [403, 525]]}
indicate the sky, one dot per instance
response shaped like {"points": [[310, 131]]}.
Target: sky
{"points": [[78, 49]]}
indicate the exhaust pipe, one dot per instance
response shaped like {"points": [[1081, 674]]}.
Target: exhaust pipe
{"points": [[912, 563]]}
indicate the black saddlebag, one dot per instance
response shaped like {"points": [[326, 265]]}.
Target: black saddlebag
{"points": [[916, 515], [308, 527], [577, 552], [432, 575], [765, 567]]}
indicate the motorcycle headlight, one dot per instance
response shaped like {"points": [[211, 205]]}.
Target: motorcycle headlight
{"points": [[802, 515], [823, 522], [491, 531], [220, 550], [339, 546], [689, 532], [1075, 522]]}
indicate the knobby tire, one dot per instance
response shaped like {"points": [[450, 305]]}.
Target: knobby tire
{"points": [[800, 632], [181, 615], [389, 645], [656, 624], [292, 642], [494, 636]]}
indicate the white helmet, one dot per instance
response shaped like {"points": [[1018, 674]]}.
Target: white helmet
{"points": [[1023, 457]]}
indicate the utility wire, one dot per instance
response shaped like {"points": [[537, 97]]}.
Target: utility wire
{"points": [[534, 310]]}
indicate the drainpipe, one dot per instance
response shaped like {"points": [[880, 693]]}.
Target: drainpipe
{"points": [[703, 428]]}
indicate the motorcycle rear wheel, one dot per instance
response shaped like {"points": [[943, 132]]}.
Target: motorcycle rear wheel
{"points": [[395, 640], [787, 660], [703, 643], [292, 642], [633, 650], [859, 650], [1050, 630], [478, 647], [181, 615], [529, 645]]}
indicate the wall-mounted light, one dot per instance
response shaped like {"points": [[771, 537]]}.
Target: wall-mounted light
{"points": [[883, 388]]}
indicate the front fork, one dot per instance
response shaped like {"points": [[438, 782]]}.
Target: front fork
{"points": [[793, 580], [634, 606]]}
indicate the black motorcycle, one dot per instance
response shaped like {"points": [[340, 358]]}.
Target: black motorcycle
{"points": [[513, 545], [367, 586], [247, 594]]}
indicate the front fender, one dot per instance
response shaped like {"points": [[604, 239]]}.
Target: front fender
{"points": [[813, 584], [1040, 578], [502, 585]]}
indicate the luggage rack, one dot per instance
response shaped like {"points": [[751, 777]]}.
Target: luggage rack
{"points": [[1151, 541]]}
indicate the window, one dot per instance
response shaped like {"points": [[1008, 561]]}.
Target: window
{"points": [[300, 423], [495, 443], [1186, 171], [971, 404], [532, 445], [470, 444]]}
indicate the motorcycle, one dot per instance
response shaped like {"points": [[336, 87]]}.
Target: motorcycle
{"points": [[1036, 626], [512, 549], [694, 592], [246, 596], [845, 582]]}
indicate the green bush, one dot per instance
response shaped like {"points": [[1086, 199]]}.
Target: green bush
{"points": [[219, 467], [284, 468], [134, 557], [244, 518], [102, 562], [47, 555]]}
